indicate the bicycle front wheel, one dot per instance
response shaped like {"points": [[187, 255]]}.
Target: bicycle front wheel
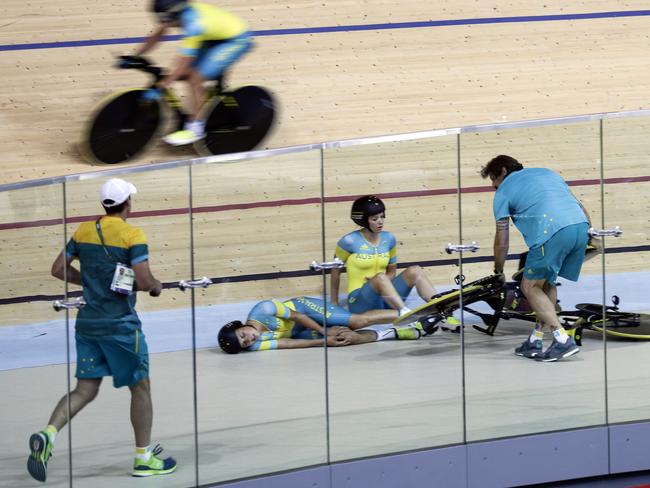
{"points": [[121, 127], [237, 122], [624, 324]]}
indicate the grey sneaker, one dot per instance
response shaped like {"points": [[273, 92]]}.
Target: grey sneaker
{"points": [[557, 351], [529, 349]]}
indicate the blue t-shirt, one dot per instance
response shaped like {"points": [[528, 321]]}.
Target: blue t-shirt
{"points": [[539, 202]]}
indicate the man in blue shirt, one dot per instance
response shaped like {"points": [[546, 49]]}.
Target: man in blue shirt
{"points": [[555, 227]]}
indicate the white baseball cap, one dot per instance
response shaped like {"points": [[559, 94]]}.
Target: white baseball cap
{"points": [[116, 191]]}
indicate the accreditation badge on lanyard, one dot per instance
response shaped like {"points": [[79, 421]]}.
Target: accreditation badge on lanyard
{"points": [[124, 276], [123, 279]]}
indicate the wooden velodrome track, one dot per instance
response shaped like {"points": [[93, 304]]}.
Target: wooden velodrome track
{"points": [[331, 85]]}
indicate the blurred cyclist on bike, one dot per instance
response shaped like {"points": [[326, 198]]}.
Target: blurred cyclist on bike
{"points": [[213, 39]]}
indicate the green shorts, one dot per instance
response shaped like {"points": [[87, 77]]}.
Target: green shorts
{"points": [[562, 255], [125, 357]]}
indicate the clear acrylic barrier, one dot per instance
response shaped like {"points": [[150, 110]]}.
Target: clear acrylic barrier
{"points": [[626, 149], [257, 226], [257, 223], [103, 438], [397, 395], [508, 395], [33, 345]]}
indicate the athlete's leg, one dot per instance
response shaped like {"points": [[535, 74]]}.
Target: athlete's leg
{"points": [[197, 89], [84, 393], [382, 285], [212, 63], [551, 293], [363, 337], [337, 316], [141, 412], [193, 129], [414, 277], [91, 367], [41, 443], [372, 317], [540, 302], [563, 252], [147, 462]]}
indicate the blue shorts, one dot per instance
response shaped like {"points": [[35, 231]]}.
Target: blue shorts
{"points": [[213, 59], [562, 255], [313, 308], [125, 357], [365, 298]]}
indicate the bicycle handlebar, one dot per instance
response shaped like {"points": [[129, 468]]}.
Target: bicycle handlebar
{"points": [[141, 64]]}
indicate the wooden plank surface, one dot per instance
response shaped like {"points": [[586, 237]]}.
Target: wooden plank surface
{"points": [[331, 85]]}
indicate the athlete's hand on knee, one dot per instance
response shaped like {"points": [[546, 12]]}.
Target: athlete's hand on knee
{"points": [[340, 339], [335, 330], [345, 336]]}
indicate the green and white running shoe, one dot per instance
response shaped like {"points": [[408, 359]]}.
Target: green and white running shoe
{"points": [[41, 450], [155, 465], [412, 331]]}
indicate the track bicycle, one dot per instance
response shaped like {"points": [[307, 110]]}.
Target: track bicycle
{"points": [[509, 303], [435, 312], [125, 123]]}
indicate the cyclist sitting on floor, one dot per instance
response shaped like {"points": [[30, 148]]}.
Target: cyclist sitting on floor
{"points": [[213, 40], [300, 322], [370, 256]]}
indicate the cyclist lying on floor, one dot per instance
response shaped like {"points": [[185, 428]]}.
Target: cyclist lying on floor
{"points": [[300, 322]]}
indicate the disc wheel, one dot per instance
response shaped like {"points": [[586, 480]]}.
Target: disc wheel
{"points": [[237, 121], [122, 127]]}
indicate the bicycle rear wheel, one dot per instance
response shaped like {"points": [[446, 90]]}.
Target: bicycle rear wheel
{"points": [[121, 127], [237, 122]]}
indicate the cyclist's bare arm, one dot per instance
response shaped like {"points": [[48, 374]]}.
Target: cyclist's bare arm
{"points": [[153, 39]]}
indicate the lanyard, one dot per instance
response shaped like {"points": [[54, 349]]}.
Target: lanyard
{"points": [[101, 238]]}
